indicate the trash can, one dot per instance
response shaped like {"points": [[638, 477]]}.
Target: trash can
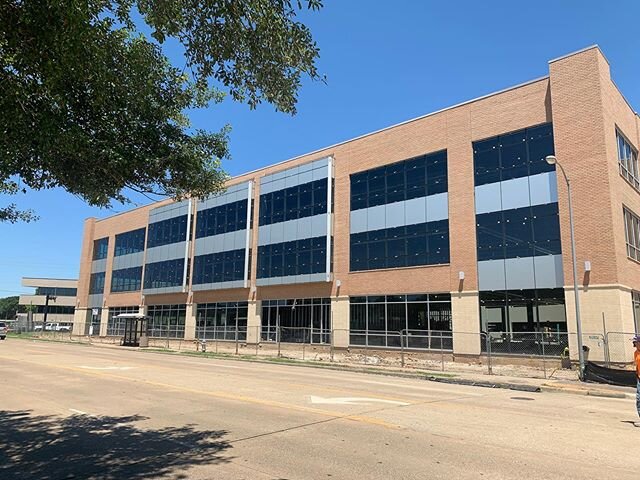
{"points": [[565, 360], [585, 353]]}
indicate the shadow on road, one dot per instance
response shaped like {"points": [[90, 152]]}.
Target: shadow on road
{"points": [[105, 448]]}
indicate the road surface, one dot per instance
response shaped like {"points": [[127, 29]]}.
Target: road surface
{"points": [[74, 411]]}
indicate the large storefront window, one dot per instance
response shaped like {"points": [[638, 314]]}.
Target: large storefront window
{"points": [[115, 326], [221, 321], [166, 321], [381, 321], [517, 311], [300, 320]]}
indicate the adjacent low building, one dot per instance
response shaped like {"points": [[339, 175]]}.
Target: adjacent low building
{"points": [[450, 228], [62, 299]]}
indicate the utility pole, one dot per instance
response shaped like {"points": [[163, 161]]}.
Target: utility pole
{"points": [[46, 310]]}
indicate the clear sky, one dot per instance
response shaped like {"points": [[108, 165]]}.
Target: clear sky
{"points": [[385, 62]]}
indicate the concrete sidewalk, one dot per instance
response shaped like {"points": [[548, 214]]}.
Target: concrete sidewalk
{"points": [[565, 384]]}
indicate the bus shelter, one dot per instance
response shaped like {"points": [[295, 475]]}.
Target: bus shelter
{"points": [[136, 330]]}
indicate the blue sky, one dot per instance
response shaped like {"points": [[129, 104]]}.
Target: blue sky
{"points": [[385, 62]]}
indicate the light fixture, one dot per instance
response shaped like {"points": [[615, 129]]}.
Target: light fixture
{"points": [[338, 283], [551, 159], [587, 266], [460, 275]]}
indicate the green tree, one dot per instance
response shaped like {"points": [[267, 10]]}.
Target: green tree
{"points": [[8, 308], [90, 104]]}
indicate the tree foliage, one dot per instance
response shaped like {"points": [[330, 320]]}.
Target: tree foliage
{"points": [[8, 308], [90, 104]]}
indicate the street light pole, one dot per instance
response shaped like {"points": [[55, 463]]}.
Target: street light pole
{"points": [[551, 160], [46, 310]]}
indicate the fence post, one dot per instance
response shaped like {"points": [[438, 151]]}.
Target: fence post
{"points": [[331, 344], [258, 337], [401, 349], [278, 338], [488, 342], [303, 343], [544, 360], [442, 352], [236, 339]]}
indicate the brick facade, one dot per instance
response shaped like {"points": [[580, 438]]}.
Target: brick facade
{"points": [[585, 107]]}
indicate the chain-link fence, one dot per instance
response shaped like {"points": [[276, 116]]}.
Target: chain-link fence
{"points": [[533, 354], [619, 348]]}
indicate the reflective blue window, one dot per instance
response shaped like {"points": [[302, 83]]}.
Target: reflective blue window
{"points": [[172, 230], [57, 291], [126, 279], [519, 232], [164, 274], [100, 248], [413, 178], [222, 219], [295, 202], [513, 155], [407, 246], [297, 257], [55, 309], [219, 267], [130, 242], [96, 283]]}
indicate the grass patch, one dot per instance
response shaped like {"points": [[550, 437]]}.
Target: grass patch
{"points": [[32, 336]]}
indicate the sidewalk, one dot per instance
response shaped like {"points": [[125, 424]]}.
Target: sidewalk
{"points": [[513, 377], [566, 383]]}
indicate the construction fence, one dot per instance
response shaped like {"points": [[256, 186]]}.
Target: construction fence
{"points": [[535, 354]]}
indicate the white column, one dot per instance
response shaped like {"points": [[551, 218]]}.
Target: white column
{"points": [[254, 321], [104, 321], [465, 312], [340, 321], [190, 322]]}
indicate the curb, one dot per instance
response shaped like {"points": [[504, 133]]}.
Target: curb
{"points": [[485, 384], [584, 391], [421, 375]]}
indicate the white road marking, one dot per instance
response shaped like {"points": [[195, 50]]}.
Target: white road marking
{"points": [[352, 401], [106, 368], [79, 412], [426, 388]]}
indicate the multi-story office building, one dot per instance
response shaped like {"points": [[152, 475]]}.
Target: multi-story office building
{"points": [[450, 222], [62, 299]]}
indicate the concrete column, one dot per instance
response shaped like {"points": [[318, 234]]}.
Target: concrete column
{"points": [[190, 322], [340, 321], [80, 320], [611, 303], [104, 321], [254, 321], [465, 311]]}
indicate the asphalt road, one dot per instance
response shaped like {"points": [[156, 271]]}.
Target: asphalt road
{"points": [[71, 411]]}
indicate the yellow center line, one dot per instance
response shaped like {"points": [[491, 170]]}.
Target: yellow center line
{"points": [[221, 395]]}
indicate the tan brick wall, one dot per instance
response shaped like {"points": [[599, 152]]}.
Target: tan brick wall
{"points": [[84, 275], [452, 129], [585, 106], [577, 105]]}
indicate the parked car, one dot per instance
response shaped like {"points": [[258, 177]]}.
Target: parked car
{"points": [[3, 330]]}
